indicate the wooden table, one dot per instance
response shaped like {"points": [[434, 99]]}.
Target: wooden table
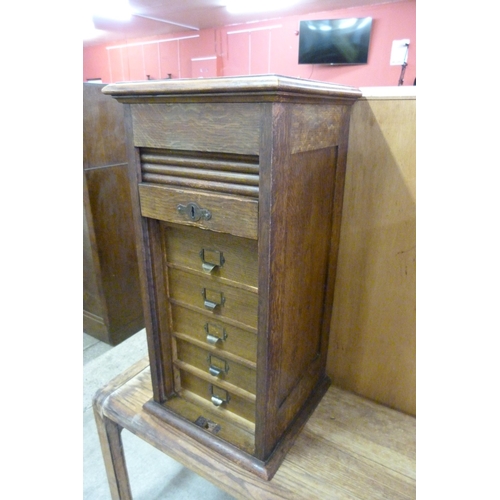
{"points": [[351, 448]]}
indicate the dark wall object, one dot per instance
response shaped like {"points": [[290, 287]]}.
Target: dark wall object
{"points": [[335, 41], [112, 308]]}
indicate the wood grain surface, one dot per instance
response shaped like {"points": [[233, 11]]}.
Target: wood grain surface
{"points": [[112, 307], [280, 143], [229, 214], [236, 374], [351, 448], [373, 334], [240, 343], [260, 85], [184, 247], [198, 127], [239, 305]]}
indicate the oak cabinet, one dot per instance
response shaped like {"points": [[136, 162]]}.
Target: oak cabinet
{"points": [[238, 205]]}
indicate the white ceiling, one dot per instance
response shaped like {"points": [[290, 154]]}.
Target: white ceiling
{"points": [[160, 17]]}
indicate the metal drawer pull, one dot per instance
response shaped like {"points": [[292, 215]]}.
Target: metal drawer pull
{"points": [[212, 339], [213, 370], [218, 397], [212, 299], [215, 334], [210, 305], [194, 212], [217, 366], [217, 401], [210, 259], [208, 268]]}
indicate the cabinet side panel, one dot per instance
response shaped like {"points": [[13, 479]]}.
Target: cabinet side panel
{"points": [[302, 210], [306, 248], [314, 127]]}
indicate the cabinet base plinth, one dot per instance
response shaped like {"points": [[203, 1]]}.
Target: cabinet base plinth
{"points": [[212, 443]]}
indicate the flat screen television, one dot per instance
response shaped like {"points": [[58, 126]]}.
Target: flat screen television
{"points": [[335, 41]]}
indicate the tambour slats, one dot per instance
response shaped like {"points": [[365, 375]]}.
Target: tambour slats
{"points": [[208, 161], [201, 184], [197, 173], [234, 174]]}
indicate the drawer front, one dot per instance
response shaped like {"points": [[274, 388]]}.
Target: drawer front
{"points": [[213, 296], [231, 214], [218, 254], [222, 337], [206, 390], [216, 366]]}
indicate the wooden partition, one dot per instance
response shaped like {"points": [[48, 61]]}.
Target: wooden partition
{"points": [[372, 347], [112, 308]]}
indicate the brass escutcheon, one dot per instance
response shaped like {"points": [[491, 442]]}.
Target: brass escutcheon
{"points": [[194, 212]]}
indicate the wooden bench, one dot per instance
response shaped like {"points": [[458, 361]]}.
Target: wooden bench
{"points": [[351, 448]]}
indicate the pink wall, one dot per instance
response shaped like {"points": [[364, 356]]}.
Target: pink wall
{"points": [[257, 48]]}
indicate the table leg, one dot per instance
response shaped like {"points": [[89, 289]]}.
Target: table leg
{"points": [[114, 458]]}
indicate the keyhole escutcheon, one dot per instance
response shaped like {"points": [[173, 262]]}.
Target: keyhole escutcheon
{"points": [[194, 212]]}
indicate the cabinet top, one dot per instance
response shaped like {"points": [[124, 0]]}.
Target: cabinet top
{"points": [[260, 85]]}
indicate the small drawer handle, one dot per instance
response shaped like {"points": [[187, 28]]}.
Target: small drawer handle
{"points": [[215, 333], [217, 366], [217, 401], [217, 398], [208, 268], [212, 299], [213, 340], [214, 371], [210, 305], [194, 212], [211, 259]]}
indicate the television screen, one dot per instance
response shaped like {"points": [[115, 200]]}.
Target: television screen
{"points": [[334, 41]]}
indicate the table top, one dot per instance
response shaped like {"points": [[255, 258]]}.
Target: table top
{"points": [[350, 448]]}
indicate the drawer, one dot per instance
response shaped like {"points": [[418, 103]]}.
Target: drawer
{"points": [[218, 254], [215, 333], [231, 214], [216, 366], [217, 298], [230, 402]]}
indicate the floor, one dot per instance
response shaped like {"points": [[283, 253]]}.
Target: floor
{"points": [[93, 348], [153, 475]]}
